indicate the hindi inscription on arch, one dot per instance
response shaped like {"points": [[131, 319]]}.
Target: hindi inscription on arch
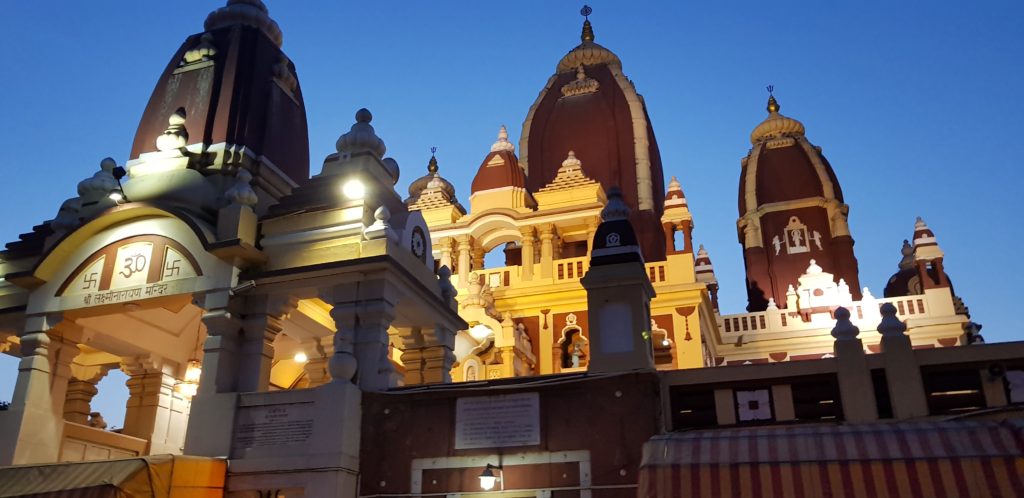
{"points": [[131, 269]]}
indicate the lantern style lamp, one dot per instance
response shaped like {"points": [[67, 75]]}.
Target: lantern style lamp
{"points": [[488, 479]]}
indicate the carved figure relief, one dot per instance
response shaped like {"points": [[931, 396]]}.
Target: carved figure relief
{"points": [[816, 237], [796, 237]]}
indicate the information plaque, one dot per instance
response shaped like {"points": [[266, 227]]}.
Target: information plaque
{"points": [[273, 425], [497, 421]]}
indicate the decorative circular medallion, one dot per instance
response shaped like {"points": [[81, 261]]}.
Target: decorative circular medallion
{"points": [[419, 243]]}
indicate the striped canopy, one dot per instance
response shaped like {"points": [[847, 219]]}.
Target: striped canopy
{"points": [[973, 459]]}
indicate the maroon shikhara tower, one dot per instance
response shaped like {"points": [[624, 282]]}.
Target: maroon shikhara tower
{"points": [[791, 212], [240, 99], [589, 106]]}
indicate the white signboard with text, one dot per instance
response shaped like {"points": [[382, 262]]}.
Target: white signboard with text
{"points": [[497, 421]]}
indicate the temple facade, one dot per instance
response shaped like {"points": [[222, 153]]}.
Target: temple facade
{"points": [[295, 335]]}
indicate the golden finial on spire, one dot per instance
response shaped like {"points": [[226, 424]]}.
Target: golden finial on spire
{"points": [[588, 30], [432, 165], [773, 105]]}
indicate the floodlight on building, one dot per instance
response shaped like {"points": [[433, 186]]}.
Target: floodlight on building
{"points": [[488, 479], [300, 357], [116, 196], [353, 189]]}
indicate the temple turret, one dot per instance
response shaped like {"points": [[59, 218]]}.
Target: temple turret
{"points": [[791, 211], [500, 181], [233, 100], [590, 107]]}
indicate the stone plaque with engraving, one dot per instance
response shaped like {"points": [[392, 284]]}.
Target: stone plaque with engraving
{"points": [[273, 425], [497, 421]]}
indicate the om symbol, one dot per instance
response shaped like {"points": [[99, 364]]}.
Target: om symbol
{"points": [[133, 265]]}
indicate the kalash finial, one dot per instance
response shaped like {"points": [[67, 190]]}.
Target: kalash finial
{"points": [[432, 166], [588, 30], [773, 105]]}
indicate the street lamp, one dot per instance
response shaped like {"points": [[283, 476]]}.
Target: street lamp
{"points": [[488, 479]]}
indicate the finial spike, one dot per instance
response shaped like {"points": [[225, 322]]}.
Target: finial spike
{"points": [[773, 105], [588, 30], [432, 165]]}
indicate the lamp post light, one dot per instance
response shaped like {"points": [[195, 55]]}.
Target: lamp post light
{"points": [[488, 479]]}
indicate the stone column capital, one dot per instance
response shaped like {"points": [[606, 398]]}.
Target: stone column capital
{"points": [[546, 231]]}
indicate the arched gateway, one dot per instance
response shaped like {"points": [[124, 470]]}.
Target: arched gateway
{"points": [[219, 284]]}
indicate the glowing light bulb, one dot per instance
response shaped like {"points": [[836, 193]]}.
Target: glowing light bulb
{"points": [[116, 196], [300, 357], [193, 371], [354, 189]]}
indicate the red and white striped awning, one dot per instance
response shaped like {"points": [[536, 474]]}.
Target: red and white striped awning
{"points": [[950, 459]]}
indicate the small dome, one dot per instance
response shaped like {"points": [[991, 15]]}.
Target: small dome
{"points": [[775, 125], [431, 180], [361, 137]]}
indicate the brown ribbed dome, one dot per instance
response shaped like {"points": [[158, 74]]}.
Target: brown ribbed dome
{"points": [[589, 106]]}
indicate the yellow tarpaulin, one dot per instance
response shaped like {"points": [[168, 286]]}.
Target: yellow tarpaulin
{"points": [[158, 476]]}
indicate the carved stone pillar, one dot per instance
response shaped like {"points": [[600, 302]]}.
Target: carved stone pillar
{"points": [[428, 355], [670, 238], [81, 390], [77, 402], [463, 265], [413, 361], [362, 314], [221, 350], [316, 367], [34, 423], [547, 234], [368, 323], [260, 325], [155, 412], [687, 228], [527, 252], [478, 258], [446, 252], [211, 418], [591, 230]]}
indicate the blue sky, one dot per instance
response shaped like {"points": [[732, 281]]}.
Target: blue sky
{"points": [[917, 105]]}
